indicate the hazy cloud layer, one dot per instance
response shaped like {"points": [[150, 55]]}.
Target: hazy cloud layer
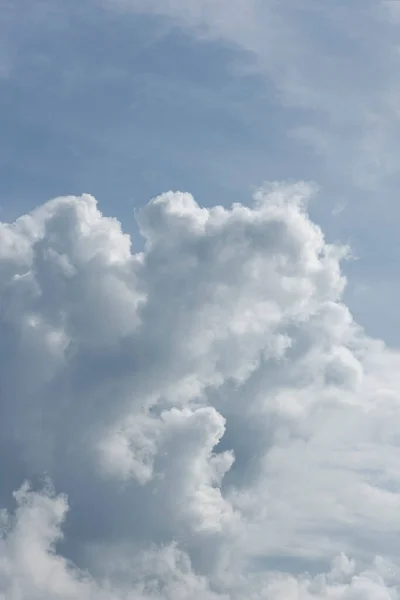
{"points": [[220, 426], [336, 62]]}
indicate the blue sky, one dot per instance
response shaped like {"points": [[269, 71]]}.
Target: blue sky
{"points": [[199, 413], [126, 100]]}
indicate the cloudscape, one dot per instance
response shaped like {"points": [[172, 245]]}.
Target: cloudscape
{"points": [[210, 420], [200, 387]]}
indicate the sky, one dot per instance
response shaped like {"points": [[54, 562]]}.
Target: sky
{"points": [[127, 99], [199, 334]]}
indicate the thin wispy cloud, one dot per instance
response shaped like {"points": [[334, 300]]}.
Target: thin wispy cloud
{"points": [[336, 62]]}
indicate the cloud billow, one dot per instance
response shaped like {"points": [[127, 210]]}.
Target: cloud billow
{"points": [[218, 423]]}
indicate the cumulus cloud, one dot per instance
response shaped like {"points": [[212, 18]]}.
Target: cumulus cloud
{"points": [[218, 423], [30, 568]]}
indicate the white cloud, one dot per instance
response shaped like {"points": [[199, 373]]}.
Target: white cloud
{"points": [[218, 421], [30, 568]]}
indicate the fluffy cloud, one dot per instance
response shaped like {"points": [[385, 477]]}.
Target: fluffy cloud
{"points": [[30, 568], [218, 422]]}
